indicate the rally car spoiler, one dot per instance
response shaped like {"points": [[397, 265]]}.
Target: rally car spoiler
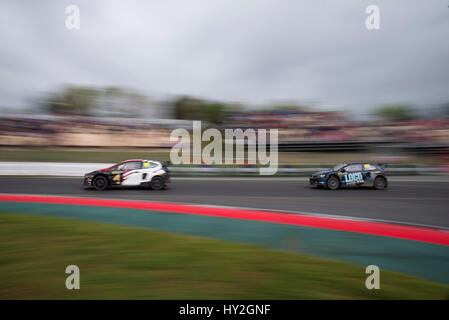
{"points": [[165, 163], [382, 165]]}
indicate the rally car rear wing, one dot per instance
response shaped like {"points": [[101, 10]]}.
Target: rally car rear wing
{"points": [[165, 165]]}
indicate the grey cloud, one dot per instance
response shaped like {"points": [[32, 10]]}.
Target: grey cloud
{"points": [[248, 51]]}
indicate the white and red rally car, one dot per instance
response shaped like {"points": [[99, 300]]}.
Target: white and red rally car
{"points": [[147, 173]]}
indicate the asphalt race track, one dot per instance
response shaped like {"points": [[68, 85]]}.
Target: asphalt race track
{"points": [[409, 200]]}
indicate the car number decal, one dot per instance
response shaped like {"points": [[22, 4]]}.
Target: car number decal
{"points": [[117, 179]]}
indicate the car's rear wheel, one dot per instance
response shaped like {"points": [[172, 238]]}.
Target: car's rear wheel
{"points": [[100, 183], [333, 183], [379, 183], [157, 183]]}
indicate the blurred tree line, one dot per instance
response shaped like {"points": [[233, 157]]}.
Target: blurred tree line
{"points": [[121, 102], [189, 108], [71, 101], [395, 112], [93, 101]]}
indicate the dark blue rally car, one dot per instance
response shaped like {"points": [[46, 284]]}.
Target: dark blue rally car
{"points": [[351, 175]]}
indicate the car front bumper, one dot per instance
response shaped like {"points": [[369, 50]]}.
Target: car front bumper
{"points": [[87, 182], [314, 181]]}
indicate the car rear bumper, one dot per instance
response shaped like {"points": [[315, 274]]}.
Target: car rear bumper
{"points": [[166, 178]]}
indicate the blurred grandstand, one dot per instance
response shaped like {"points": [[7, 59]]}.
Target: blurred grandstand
{"points": [[298, 131]]}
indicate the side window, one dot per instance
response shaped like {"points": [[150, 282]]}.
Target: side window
{"points": [[133, 165], [118, 167], [354, 168]]}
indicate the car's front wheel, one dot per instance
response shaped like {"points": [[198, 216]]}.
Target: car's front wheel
{"points": [[100, 183], [333, 183], [380, 183]]}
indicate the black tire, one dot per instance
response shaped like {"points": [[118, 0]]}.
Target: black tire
{"points": [[156, 183], [380, 183], [100, 183], [333, 183]]}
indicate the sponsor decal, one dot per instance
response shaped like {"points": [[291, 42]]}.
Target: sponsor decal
{"points": [[353, 178]]}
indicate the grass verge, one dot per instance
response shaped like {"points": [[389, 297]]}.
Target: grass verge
{"points": [[130, 263]]}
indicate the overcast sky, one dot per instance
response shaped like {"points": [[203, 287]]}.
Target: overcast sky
{"points": [[247, 51]]}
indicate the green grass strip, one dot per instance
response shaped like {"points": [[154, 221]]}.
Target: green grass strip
{"points": [[131, 263]]}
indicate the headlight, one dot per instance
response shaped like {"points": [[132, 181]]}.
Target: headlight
{"points": [[321, 176]]}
